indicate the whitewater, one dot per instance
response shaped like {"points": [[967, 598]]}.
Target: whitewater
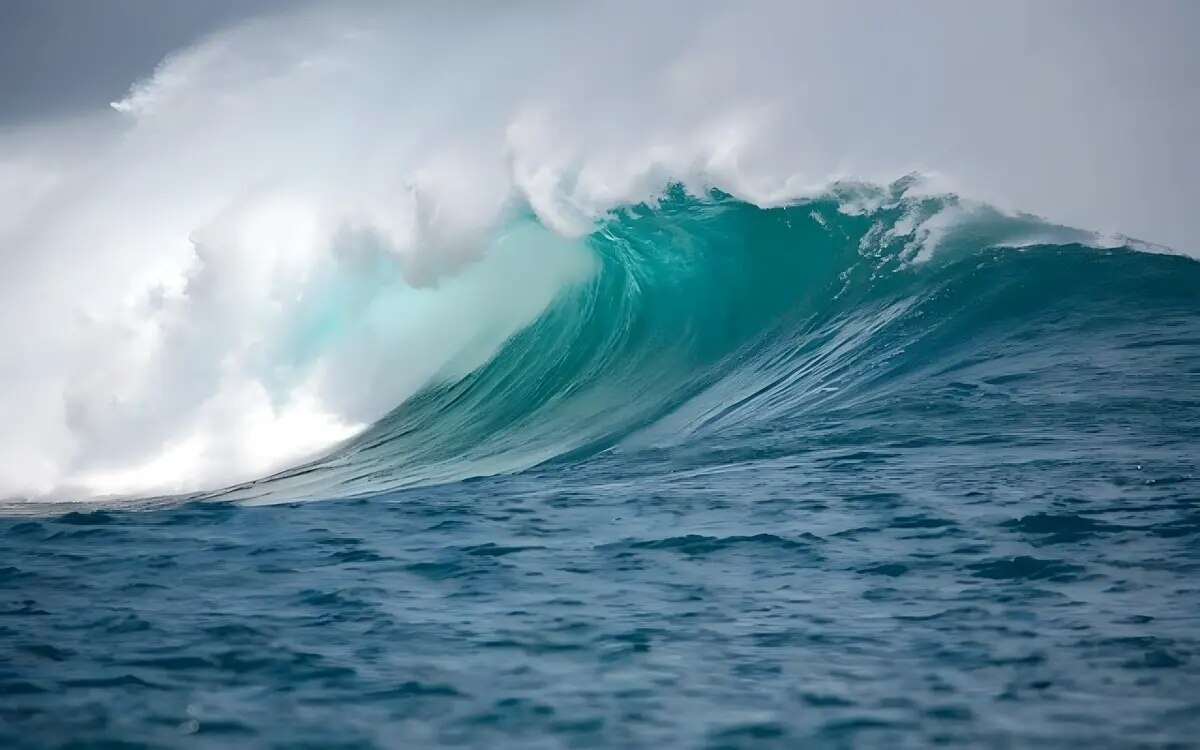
{"points": [[708, 374], [173, 248]]}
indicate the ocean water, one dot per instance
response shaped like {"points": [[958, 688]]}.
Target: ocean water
{"points": [[871, 469]]}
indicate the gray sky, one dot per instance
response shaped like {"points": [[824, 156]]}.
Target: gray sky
{"points": [[62, 56]]}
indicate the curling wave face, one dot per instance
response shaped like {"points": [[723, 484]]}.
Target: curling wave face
{"points": [[678, 322], [705, 318]]}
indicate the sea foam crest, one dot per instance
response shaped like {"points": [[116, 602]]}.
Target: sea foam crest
{"points": [[176, 274]]}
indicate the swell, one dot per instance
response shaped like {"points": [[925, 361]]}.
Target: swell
{"points": [[710, 320]]}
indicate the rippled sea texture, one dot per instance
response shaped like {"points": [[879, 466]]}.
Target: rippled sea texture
{"points": [[849, 500]]}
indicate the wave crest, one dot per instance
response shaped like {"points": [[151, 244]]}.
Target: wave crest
{"points": [[291, 227], [709, 317]]}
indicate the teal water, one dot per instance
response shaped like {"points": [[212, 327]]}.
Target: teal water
{"points": [[874, 469]]}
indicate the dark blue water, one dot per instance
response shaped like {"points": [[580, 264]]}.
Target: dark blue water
{"points": [[767, 481]]}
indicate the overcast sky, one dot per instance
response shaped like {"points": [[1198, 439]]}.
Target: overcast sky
{"points": [[64, 56]]}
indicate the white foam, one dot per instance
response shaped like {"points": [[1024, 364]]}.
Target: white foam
{"points": [[159, 262]]}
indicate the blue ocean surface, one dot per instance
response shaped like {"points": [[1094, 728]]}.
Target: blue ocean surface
{"points": [[832, 474]]}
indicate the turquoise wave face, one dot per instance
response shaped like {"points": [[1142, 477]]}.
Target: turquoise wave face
{"points": [[709, 318]]}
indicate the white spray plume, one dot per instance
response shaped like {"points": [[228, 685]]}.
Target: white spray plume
{"points": [[282, 233]]}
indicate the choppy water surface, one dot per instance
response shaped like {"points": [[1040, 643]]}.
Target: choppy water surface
{"points": [[771, 478]]}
